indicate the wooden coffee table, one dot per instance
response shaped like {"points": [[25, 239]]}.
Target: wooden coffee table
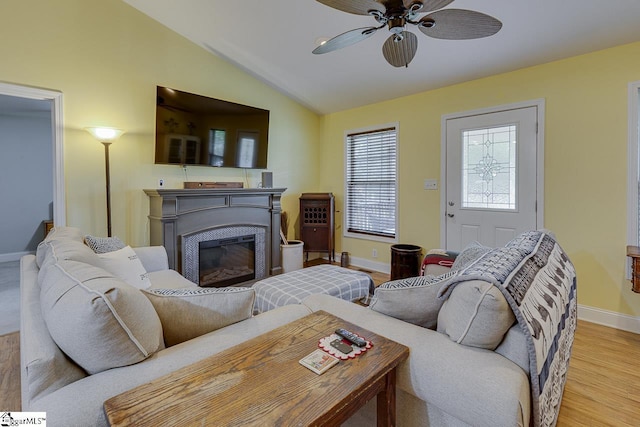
{"points": [[260, 382]]}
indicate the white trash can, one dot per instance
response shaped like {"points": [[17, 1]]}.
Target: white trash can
{"points": [[292, 255]]}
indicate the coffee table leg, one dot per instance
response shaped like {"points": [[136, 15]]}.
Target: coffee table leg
{"points": [[386, 402]]}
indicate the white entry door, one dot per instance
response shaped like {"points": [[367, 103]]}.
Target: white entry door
{"points": [[491, 182]]}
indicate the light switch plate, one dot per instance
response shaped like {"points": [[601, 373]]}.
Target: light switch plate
{"points": [[430, 184]]}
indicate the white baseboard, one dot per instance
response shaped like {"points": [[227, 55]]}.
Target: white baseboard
{"points": [[612, 319], [15, 256], [370, 265]]}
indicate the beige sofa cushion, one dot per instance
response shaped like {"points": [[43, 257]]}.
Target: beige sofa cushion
{"points": [[99, 321], [476, 314], [189, 313]]}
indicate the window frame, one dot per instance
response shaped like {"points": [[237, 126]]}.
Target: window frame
{"points": [[364, 236]]}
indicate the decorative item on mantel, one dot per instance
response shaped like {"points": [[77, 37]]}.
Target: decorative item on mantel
{"points": [[189, 184], [634, 253]]}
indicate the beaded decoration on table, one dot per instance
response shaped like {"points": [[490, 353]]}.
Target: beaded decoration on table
{"points": [[325, 344]]}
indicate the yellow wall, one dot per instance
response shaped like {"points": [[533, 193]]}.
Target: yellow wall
{"points": [[585, 161], [107, 59]]}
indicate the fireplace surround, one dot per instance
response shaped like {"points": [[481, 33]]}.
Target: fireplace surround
{"points": [[182, 219]]}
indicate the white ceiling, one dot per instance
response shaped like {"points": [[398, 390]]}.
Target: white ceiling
{"points": [[273, 40]]}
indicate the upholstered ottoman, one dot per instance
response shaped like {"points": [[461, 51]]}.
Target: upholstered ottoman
{"points": [[293, 287]]}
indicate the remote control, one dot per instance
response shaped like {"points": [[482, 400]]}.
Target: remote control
{"points": [[350, 336]]}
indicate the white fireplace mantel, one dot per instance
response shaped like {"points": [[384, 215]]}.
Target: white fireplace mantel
{"points": [[176, 214]]}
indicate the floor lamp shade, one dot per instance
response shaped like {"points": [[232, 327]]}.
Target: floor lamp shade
{"points": [[106, 136]]}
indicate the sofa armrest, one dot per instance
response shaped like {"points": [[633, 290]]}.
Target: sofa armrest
{"points": [[153, 258]]}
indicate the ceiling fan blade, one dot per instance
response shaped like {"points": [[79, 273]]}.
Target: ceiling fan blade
{"points": [[345, 39], [427, 5], [459, 24], [357, 7], [399, 52]]}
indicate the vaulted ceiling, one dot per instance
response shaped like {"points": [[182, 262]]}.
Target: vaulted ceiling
{"points": [[273, 41]]}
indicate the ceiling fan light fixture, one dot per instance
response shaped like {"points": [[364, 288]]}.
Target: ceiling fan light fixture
{"points": [[427, 23], [397, 24], [415, 7], [379, 16]]}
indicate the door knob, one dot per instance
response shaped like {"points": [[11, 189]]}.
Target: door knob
{"points": [[450, 215]]}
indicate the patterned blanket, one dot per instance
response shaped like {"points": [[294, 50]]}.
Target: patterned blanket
{"points": [[539, 282]]}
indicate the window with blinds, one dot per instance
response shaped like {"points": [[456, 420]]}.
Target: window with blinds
{"points": [[370, 195]]}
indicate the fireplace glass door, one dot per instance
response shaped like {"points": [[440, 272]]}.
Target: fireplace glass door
{"points": [[225, 262]]}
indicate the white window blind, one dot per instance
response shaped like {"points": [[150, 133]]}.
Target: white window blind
{"points": [[371, 182]]}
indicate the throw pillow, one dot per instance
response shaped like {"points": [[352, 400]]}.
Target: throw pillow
{"points": [[96, 319], [476, 314], [101, 245], [414, 299], [471, 253], [191, 312], [124, 263]]}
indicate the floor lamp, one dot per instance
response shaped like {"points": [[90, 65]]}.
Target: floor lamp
{"points": [[106, 136]]}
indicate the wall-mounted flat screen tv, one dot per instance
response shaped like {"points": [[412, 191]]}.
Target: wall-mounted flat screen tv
{"points": [[198, 130]]}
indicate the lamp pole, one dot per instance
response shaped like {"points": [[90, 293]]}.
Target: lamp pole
{"points": [[108, 182], [106, 136]]}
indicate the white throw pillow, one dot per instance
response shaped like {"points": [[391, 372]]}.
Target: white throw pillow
{"points": [[124, 263], [191, 312]]}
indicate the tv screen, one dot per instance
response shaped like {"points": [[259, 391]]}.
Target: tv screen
{"points": [[198, 130]]}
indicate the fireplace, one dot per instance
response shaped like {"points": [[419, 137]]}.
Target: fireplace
{"points": [[181, 219], [224, 248], [225, 262]]}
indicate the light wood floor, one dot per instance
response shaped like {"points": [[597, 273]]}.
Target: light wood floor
{"points": [[602, 389]]}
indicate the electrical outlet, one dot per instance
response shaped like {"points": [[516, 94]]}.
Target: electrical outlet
{"points": [[161, 182], [374, 253]]}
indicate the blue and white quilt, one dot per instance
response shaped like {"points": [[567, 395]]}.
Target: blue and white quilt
{"points": [[539, 282]]}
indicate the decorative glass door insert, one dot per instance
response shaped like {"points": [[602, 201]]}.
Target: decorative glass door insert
{"points": [[489, 168]]}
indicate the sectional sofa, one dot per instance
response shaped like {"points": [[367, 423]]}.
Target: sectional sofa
{"points": [[95, 324]]}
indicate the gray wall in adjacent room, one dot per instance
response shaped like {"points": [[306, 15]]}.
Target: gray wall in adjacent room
{"points": [[26, 173]]}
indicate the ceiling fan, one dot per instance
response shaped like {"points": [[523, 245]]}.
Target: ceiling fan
{"points": [[400, 48]]}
